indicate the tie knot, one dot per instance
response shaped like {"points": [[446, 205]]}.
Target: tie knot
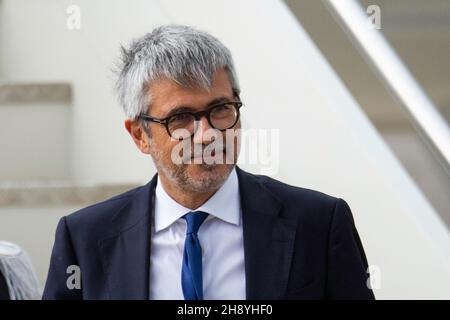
{"points": [[194, 220]]}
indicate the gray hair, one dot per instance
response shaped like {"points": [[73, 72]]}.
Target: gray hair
{"points": [[187, 56]]}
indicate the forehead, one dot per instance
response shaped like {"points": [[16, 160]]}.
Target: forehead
{"points": [[167, 94]]}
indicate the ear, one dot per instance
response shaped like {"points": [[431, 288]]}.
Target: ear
{"points": [[138, 135]]}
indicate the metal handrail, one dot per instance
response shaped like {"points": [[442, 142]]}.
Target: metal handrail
{"points": [[394, 75]]}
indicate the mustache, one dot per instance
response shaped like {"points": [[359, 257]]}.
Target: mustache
{"points": [[200, 150]]}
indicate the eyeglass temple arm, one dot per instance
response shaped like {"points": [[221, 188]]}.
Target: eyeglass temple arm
{"points": [[147, 117]]}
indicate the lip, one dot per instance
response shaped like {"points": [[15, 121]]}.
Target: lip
{"points": [[213, 153]]}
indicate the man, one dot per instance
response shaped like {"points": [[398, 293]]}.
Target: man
{"points": [[202, 228]]}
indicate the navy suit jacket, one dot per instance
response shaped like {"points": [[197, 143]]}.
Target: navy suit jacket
{"points": [[298, 244]]}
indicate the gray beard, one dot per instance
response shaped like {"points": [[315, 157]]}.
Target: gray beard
{"points": [[209, 181], [178, 175]]}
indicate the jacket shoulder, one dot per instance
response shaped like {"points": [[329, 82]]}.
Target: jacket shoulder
{"points": [[98, 216], [302, 196], [313, 210]]}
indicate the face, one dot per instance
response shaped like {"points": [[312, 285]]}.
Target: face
{"points": [[201, 174]]}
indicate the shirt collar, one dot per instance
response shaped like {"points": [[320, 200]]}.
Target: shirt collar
{"points": [[224, 204]]}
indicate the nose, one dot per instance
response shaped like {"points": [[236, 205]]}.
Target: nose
{"points": [[202, 127]]}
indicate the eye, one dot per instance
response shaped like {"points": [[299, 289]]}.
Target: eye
{"points": [[222, 111], [180, 120], [224, 107]]}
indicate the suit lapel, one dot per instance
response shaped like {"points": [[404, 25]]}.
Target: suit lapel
{"points": [[126, 253], [268, 243], [268, 240]]}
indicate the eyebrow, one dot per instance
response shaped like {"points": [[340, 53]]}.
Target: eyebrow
{"points": [[181, 109]]}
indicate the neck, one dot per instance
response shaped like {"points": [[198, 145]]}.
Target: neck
{"points": [[188, 199]]}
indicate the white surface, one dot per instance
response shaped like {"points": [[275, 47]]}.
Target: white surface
{"points": [[36, 137], [326, 143], [9, 249]]}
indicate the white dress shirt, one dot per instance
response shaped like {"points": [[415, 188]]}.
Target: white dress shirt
{"points": [[221, 238]]}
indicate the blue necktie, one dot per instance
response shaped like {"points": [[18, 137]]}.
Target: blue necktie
{"points": [[191, 273]]}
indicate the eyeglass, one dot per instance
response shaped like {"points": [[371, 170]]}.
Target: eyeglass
{"points": [[183, 125]]}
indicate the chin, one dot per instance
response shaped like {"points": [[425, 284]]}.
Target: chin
{"points": [[209, 168]]}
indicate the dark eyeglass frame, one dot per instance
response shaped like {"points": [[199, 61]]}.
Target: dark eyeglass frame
{"points": [[197, 116]]}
